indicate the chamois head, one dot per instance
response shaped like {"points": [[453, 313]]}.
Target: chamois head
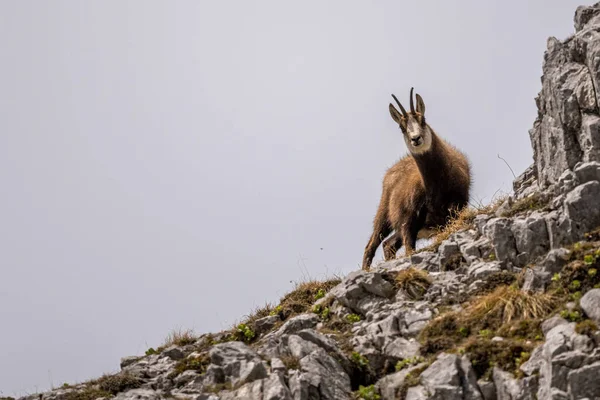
{"points": [[417, 134]]}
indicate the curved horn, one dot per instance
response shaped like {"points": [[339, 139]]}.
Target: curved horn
{"points": [[404, 113], [412, 104]]}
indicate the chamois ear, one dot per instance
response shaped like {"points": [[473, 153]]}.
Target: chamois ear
{"points": [[420, 105], [395, 114]]}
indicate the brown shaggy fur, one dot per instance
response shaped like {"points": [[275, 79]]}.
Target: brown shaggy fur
{"points": [[419, 193]]}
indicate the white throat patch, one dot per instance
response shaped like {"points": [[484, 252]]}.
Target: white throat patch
{"points": [[415, 130]]}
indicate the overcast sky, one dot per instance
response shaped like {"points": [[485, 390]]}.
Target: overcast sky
{"points": [[171, 164]]}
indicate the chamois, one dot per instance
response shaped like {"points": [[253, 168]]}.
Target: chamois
{"points": [[421, 189]]}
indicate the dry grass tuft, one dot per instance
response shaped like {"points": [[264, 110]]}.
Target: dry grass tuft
{"points": [[114, 384], [461, 220], [534, 202], [180, 337], [496, 311], [508, 303], [290, 362], [258, 313], [106, 386], [301, 299], [414, 282]]}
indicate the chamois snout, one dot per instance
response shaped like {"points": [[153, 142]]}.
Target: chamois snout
{"points": [[416, 140]]}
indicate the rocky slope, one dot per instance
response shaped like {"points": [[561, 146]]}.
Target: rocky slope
{"points": [[506, 306]]}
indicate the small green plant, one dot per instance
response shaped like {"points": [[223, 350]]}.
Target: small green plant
{"points": [[65, 385], [360, 360], [523, 358], [556, 277], [464, 331], [575, 285], [276, 310], [320, 294], [352, 318], [245, 333], [492, 256], [151, 351], [323, 312], [576, 296], [412, 379], [368, 393], [486, 333], [592, 272], [400, 365], [573, 316], [589, 259]]}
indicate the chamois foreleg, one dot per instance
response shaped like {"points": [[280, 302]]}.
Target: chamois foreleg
{"points": [[381, 229], [410, 228]]}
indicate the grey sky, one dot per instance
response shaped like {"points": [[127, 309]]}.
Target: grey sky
{"points": [[174, 164]]}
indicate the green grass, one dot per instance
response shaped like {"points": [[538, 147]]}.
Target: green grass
{"points": [[367, 393]]}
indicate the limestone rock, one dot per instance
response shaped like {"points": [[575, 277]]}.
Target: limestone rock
{"points": [[239, 363], [127, 361], [509, 388], [590, 303], [139, 394], [449, 377]]}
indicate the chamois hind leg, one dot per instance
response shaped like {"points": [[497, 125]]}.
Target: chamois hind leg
{"points": [[409, 238], [381, 229], [391, 246]]}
